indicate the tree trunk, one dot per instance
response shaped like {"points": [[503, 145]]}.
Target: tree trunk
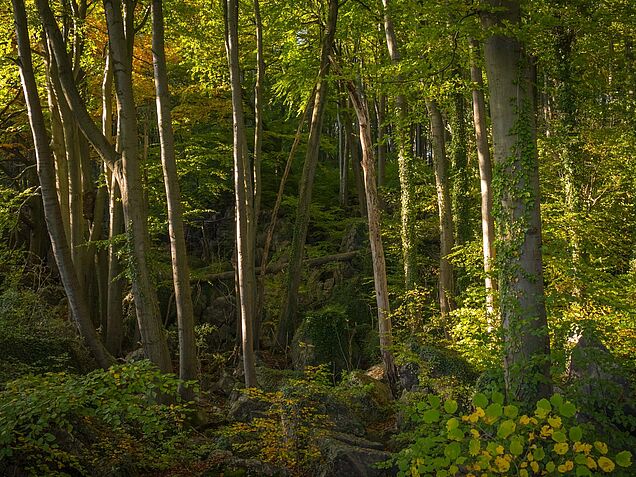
{"points": [[188, 366], [46, 173], [485, 176], [375, 236], [446, 237], [144, 292], [405, 164], [125, 167], [522, 303], [461, 177], [290, 304], [244, 201], [380, 108]]}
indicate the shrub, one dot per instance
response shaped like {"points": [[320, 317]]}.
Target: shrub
{"points": [[494, 439], [289, 431], [98, 424]]}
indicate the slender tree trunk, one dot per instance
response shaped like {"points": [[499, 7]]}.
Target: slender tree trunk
{"points": [[516, 188], [289, 309], [125, 166], [343, 158], [375, 236], [356, 167], [144, 292], [46, 173], [446, 236], [269, 236], [380, 109], [188, 365], [244, 201], [405, 164], [485, 176]]}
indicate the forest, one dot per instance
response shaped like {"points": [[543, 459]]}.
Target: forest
{"points": [[317, 238]]}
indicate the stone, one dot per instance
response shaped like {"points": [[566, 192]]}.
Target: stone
{"points": [[352, 457]]}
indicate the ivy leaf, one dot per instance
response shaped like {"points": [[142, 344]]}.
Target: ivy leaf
{"points": [[498, 397], [494, 411], [582, 471], [557, 400], [516, 446], [434, 401], [453, 450]]}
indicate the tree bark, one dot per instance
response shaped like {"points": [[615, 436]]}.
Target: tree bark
{"points": [[461, 177], [446, 237], [244, 201], [46, 173], [375, 236], [485, 176], [144, 292], [188, 366], [380, 109], [289, 310], [522, 302]]}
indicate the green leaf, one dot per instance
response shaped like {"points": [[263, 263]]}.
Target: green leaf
{"points": [[506, 428], [582, 471], [494, 410], [480, 400], [450, 406], [456, 435], [550, 466], [430, 416], [498, 397], [434, 401], [453, 450], [516, 446], [474, 446], [624, 459], [538, 454], [559, 436], [557, 400], [544, 404], [575, 433], [452, 423], [511, 411], [567, 409]]}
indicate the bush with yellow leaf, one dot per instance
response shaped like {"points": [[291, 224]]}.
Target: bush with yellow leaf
{"points": [[495, 439]]}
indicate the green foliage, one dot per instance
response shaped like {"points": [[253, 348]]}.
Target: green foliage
{"points": [[496, 439], [102, 423], [289, 431]]}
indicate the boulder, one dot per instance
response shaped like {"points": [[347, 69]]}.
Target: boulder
{"points": [[345, 455]]}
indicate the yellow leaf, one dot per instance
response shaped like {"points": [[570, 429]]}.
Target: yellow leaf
{"points": [[561, 448], [601, 447], [606, 464]]}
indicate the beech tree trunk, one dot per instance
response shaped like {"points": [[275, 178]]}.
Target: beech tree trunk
{"points": [[125, 166], [485, 175], [522, 302], [244, 201], [46, 172], [380, 109], [375, 236], [446, 237], [289, 308], [188, 366]]}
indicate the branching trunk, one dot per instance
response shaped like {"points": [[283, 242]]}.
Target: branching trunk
{"points": [[516, 188], [375, 236], [46, 172], [180, 273], [289, 309]]}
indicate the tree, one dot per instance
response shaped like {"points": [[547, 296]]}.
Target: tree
{"points": [[180, 271], [516, 188], [46, 173], [290, 304], [244, 201]]}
